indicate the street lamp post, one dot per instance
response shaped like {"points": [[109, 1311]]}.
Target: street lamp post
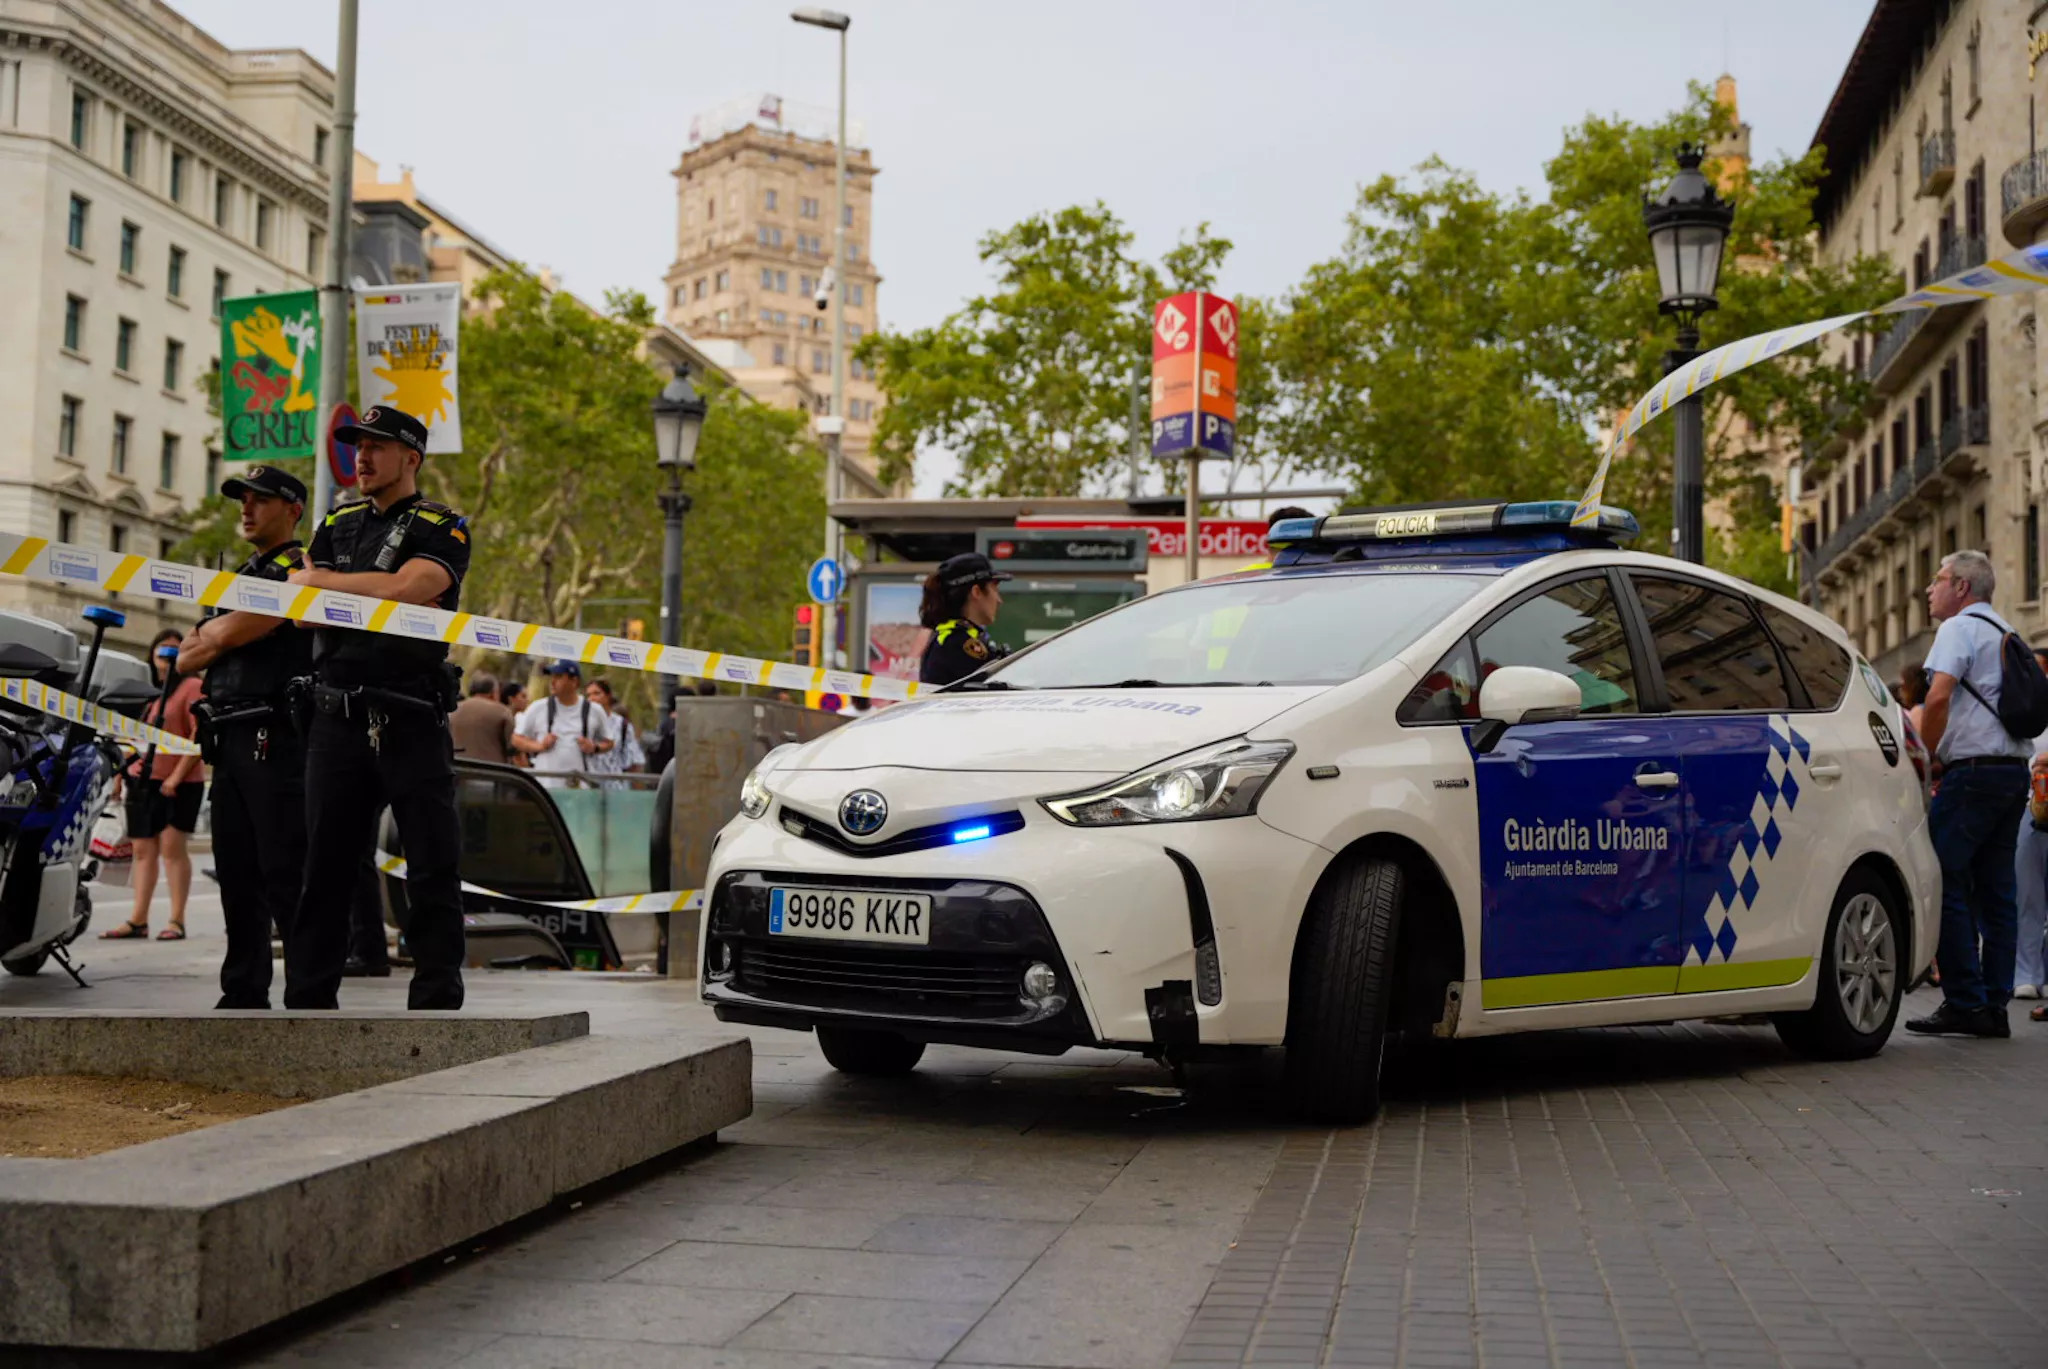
{"points": [[678, 422], [835, 431], [1688, 227]]}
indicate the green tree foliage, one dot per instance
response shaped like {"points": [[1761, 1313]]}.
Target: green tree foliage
{"points": [[1030, 385]]}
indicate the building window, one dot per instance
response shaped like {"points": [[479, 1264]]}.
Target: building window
{"points": [[768, 202], [852, 250], [174, 363], [1970, 48], [1948, 540], [212, 483], [1898, 189], [220, 291], [67, 526], [1980, 537], [123, 426], [167, 464], [2033, 551], [74, 324], [81, 119], [131, 238], [223, 200], [179, 162], [1977, 370], [767, 278], [320, 147], [117, 540], [265, 213], [124, 345], [174, 274], [316, 247], [767, 316], [697, 290], [74, 229], [724, 281], [782, 282], [846, 216], [1899, 454], [808, 207], [857, 296], [781, 353], [131, 149], [818, 360], [853, 332], [67, 425]]}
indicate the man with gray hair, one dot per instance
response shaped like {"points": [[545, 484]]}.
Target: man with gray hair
{"points": [[1975, 820]]}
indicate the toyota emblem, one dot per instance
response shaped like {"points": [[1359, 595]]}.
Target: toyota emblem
{"points": [[863, 812]]}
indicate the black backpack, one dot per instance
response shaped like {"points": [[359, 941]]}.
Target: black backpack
{"points": [[2022, 688]]}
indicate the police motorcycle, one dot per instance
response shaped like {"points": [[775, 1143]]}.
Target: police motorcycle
{"points": [[56, 779]]}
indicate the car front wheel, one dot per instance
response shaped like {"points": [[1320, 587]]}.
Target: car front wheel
{"points": [[852, 1050], [1337, 1000], [1862, 978]]}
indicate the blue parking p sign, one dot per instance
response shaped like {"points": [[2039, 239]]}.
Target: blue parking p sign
{"points": [[825, 580]]}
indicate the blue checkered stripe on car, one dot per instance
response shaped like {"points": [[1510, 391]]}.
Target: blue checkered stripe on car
{"points": [[1779, 785]]}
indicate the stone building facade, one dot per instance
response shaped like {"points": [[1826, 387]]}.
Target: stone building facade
{"points": [[146, 172], [1930, 165], [754, 194]]}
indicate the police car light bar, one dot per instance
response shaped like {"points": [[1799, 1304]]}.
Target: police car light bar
{"points": [[1424, 521]]}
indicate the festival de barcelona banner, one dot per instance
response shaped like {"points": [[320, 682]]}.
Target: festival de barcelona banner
{"points": [[270, 376], [405, 355]]}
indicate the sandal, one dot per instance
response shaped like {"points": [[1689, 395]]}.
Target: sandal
{"points": [[2039, 1014], [174, 932], [127, 931]]}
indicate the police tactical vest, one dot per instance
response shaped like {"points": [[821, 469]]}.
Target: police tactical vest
{"points": [[261, 669], [360, 541]]}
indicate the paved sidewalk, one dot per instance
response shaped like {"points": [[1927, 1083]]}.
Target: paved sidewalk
{"points": [[1686, 1196]]}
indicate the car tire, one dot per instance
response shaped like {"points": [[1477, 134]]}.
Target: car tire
{"points": [[1339, 992], [1862, 976], [851, 1050], [26, 965]]}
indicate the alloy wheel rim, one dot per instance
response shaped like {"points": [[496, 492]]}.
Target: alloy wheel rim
{"points": [[1866, 963]]}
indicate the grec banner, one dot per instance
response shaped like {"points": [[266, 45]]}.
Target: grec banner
{"points": [[270, 376]]}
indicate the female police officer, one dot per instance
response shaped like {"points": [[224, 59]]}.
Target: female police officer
{"points": [[960, 603]]}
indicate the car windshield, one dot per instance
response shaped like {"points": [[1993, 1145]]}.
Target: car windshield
{"points": [[1282, 630]]}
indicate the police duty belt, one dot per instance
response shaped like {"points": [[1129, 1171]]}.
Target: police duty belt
{"points": [[86, 568]]}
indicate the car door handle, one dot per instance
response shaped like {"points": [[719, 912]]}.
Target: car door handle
{"points": [[1657, 779], [1826, 770]]}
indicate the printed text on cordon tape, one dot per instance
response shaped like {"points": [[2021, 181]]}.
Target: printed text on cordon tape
{"points": [[60, 563], [2014, 274], [71, 708], [671, 901]]}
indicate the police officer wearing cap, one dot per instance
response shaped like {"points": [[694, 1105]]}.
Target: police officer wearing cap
{"points": [[959, 606], [259, 761], [378, 726]]}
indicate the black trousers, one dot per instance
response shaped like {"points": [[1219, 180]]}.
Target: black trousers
{"points": [[348, 783], [259, 848], [366, 941]]}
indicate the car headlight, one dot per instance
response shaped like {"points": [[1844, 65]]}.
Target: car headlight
{"points": [[1220, 781], [755, 796]]}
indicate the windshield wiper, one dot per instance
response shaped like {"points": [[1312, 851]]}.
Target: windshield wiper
{"points": [[1165, 684]]}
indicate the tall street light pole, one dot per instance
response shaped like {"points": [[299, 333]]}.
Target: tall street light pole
{"points": [[835, 430], [678, 422], [334, 290], [1688, 227]]}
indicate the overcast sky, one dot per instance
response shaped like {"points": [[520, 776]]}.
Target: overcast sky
{"points": [[551, 129]]}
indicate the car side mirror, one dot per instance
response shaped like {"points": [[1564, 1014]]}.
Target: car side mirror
{"points": [[20, 662], [1515, 694]]}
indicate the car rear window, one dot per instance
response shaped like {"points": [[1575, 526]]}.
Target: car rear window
{"points": [[1821, 665]]}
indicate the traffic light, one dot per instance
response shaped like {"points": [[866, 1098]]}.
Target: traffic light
{"points": [[803, 647]]}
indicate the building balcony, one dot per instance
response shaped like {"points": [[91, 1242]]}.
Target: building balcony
{"points": [[1938, 162], [1915, 334], [1954, 454], [2023, 197]]}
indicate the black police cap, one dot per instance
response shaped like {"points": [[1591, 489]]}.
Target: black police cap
{"points": [[968, 568], [381, 420], [265, 480]]}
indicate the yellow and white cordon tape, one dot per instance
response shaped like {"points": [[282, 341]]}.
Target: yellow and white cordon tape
{"points": [[71, 708], [62, 563], [2016, 273], [668, 901]]}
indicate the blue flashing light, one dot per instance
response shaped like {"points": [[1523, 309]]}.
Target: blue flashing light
{"points": [[1441, 523], [974, 833], [1292, 530], [100, 613]]}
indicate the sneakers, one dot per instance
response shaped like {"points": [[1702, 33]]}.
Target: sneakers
{"points": [[1948, 1020], [2026, 991]]}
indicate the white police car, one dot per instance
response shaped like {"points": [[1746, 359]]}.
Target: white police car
{"points": [[1457, 770]]}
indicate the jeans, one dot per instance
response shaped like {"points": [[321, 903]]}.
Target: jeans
{"points": [[1975, 823], [2032, 873]]}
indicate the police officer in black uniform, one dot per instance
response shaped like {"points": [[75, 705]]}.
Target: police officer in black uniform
{"points": [[259, 761], [378, 730], [959, 606]]}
